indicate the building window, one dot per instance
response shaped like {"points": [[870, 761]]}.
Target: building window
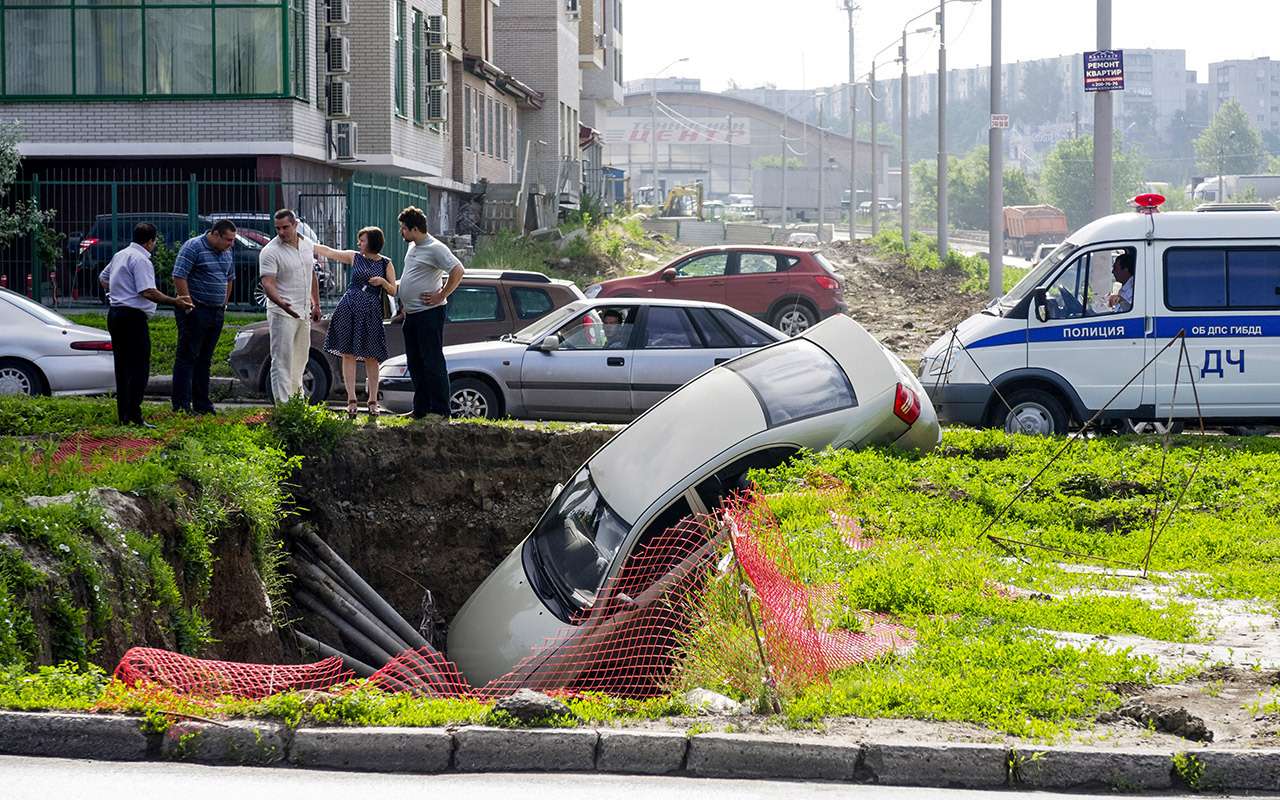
{"points": [[493, 128], [125, 49], [506, 134], [417, 66], [467, 143], [399, 55]]}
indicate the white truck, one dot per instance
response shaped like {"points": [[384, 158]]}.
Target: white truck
{"points": [[1238, 188]]}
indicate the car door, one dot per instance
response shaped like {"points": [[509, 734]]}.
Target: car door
{"points": [[673, 349], [699, 277], [757, 280], [588, 377], [475, 313], [1094, 346]]}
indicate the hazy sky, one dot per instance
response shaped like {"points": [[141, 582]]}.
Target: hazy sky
{"points": [[804, 43]]}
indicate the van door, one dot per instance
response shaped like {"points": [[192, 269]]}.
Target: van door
{"points": [[1227, 298], [1095, 337]]}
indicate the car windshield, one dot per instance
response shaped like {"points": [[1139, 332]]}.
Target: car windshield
{"points": [[577, 539], [549, 323], [1032, 279], [35, 309]]}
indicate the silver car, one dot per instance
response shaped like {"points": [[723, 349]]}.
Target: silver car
{"points": [[832, 386], [43, 352], [603, 360]]}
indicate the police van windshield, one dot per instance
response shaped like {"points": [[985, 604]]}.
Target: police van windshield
{"points": [[1032, 279], [576, 541]]}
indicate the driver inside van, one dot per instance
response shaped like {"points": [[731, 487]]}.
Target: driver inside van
{"points": [[1122, 270]]}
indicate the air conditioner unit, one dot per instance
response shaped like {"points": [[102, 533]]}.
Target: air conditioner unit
{"points": [[338, 12], [338, 61], [437, 67], [339, 95], [602, 41], [572, 7], [437, 104], [344, 141], [437, 31]]}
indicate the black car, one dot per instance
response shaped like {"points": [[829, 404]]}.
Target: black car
{"points": [[103, 240]]}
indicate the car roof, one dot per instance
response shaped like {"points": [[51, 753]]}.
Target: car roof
{"points": [[1181, 225], [651, 301], [516, 276], [750, 248]]}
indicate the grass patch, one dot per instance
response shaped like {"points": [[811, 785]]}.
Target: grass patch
{"points": [[593, 250], [164, 338], [923, 255]]}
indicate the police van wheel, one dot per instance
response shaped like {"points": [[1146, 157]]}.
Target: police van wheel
{"points": [[1033, 412], [1149, 427]]}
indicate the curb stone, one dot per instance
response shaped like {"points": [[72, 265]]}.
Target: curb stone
{"points": [[522, 750], [966, 766], [641, 752], [725, 755], [241, 743], [1077, 768], [107, 738], [418, 750], [1237, 770]]}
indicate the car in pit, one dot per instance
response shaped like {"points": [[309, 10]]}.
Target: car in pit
{"points": [[834, 385]]}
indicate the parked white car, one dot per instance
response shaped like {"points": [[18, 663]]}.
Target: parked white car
{"points": [[43, 352], [834, 385]]}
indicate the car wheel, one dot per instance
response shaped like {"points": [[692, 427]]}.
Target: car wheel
{"points": [[794, 319], [259, 296], [315, 381], [1249, 430], [472, 398], [1033, 412], [1149, 427], [17, 378]]}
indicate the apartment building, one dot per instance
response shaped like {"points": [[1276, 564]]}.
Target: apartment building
{"points": [[600, 58], [1255, 84]]}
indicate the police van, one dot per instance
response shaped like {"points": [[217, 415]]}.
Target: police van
{"points": [[1074, 335]]}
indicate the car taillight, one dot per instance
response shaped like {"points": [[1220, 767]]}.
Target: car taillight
{"points": [[85, 244], [91, 346], [827, 282], [906, 405]]}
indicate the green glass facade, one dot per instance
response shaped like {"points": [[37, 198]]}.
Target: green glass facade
{"points": [[122, 49]]}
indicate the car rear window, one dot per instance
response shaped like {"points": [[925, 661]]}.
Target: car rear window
{"points": [[794, 381], [747, 334], [474, 304], [824, 263], [531, 303]]}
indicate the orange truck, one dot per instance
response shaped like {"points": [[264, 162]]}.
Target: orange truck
{"points": [[1028, 227]]}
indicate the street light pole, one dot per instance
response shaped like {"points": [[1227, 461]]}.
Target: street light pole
{"points": [[1103, 127], [853, 129], [653, 125], [822, 174], [943, 220], [995, 167], [875, 157], [905, 178]]}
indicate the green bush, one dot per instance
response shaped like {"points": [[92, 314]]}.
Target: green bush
{"points": [[305, 429]]}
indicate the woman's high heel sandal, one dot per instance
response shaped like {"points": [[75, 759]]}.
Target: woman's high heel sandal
{"points": [[374, 409], [353, 408]]}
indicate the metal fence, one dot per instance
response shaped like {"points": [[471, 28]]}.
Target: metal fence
{"points": [[95, 212]]}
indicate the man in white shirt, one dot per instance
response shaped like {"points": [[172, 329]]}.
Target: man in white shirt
{"points": [[1122, 270], [287, 267], [130, 278]]}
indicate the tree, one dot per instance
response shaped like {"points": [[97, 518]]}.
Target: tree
{"points": [[17, 217], [1067, 180], [1042, 94], [967, 190], [774, 161], [1230, 145]]}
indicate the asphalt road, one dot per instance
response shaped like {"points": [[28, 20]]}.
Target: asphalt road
{"points": [[39, 779]]}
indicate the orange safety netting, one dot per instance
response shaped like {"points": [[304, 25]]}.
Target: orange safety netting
{"points": [[85, 446], [627, 644]]}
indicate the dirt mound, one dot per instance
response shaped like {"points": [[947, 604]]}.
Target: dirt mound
{"points": [[904, 309]]}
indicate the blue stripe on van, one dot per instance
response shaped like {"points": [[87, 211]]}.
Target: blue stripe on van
{"points": [[1257, 326]]}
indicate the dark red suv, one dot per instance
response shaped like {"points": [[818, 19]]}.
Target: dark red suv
{"points": [[790, 288]]}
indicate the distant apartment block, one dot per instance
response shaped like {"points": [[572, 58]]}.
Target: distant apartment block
{"points": [[1255, 84]]}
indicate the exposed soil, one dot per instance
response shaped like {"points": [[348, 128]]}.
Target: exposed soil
{"points": [[904, 309]]}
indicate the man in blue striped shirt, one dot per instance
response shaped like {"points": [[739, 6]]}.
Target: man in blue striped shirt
{"points": [[205, 272]]}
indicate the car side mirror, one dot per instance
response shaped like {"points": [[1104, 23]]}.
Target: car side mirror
{"points": [[548, 344], [1042, 305], [669, 275]]}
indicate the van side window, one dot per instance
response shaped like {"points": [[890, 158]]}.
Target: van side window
{"points": [[1218, 278], [1092, 286]]}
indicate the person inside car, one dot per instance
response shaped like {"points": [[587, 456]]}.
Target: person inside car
{"points": [[616, 333], [1122, 270]]}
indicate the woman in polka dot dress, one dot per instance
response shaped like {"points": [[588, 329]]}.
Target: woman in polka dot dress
{"points": [[355, 329]]}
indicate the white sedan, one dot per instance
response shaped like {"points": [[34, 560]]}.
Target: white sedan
{"points": [[832, 386], [43, 352]]}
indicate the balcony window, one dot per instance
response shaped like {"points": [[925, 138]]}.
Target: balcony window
{"points": [[126, 49]]}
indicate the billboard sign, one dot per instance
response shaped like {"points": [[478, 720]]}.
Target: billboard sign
{"points": [[1104, 71], [624, 131]]}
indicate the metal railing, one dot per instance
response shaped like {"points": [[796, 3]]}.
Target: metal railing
{"points": [[95, 212]]}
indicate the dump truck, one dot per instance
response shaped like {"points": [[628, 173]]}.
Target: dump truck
{"points": [[1028, 227]]}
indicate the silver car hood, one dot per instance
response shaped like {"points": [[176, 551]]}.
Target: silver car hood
{"points": [[485, 351]]}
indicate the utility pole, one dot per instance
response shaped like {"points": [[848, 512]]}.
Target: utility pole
{"points": [[943, 221], [875, 156], [729, 139], [1103, 127], [653, 137], [785, 148], [995, 168], [905, 181], [853, 129], [822, 170]]}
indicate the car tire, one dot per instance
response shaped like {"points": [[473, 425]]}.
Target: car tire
{"points": [[469, 397], [793, 318], [315, 381], [20, 378], [1249, 430], [1032, 411]]}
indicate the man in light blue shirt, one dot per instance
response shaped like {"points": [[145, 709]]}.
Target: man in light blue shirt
{"points": [[205, 272], [131, 287]]}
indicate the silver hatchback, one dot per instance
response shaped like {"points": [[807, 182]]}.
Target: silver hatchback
{"points": [[605, 360]]}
